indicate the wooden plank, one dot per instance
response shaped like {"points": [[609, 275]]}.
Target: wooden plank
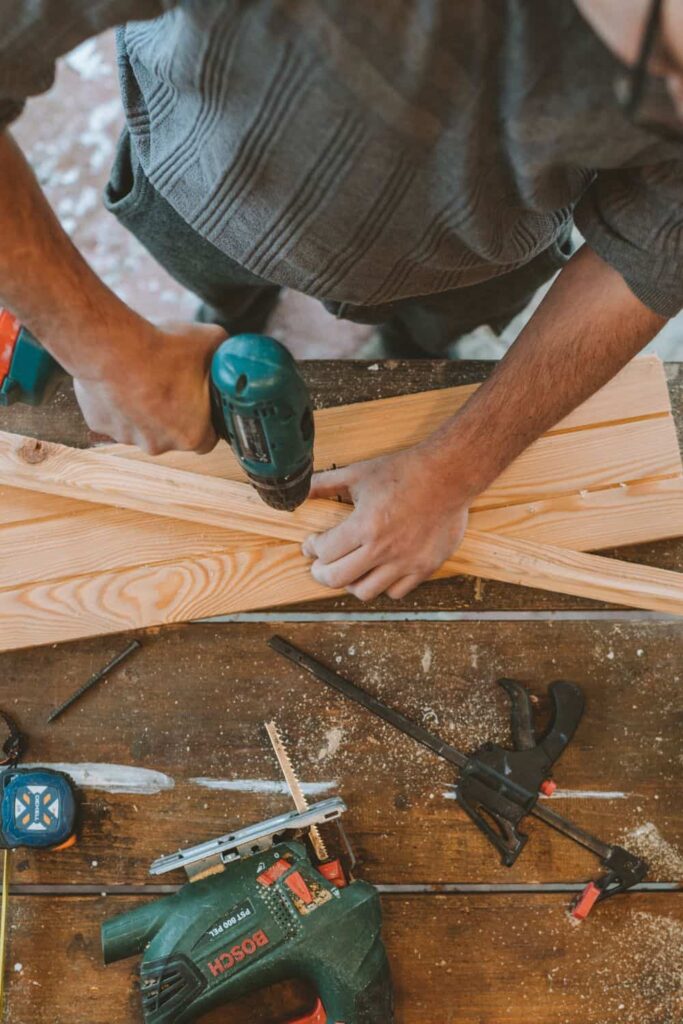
{"points": [[364, 430], [331, 383], [102, 539], [552, 467], [192, 703], [334, 383], [455, 960], [98, 540], [264, 577], [272, 575], [19, 506], [349, 433]]}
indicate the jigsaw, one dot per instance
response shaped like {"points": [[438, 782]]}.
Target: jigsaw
{"points": [[260, 908]]}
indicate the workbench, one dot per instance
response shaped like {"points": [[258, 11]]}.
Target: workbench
{"points": [[470, 941]]}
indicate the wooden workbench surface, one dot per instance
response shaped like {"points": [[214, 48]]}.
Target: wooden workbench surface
{"points": [[172, 751]]}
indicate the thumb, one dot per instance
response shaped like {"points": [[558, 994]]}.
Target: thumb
{"points": [[334, 483]]}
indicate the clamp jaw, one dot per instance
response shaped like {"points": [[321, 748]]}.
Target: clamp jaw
{"points": [[498, 788]]}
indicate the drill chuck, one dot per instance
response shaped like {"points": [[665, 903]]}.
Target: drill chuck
{"points": [[261, 407]]}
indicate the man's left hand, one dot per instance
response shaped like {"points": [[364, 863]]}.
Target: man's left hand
{"points": [[409, 517]]}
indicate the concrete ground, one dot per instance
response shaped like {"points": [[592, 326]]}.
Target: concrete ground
{"points": [[69, 135]]}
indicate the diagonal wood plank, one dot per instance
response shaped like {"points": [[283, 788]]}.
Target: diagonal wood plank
{"points": [[576, 461], [101, 539], [348, 433], [274, 575]]}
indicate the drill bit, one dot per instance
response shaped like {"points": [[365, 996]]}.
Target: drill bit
{"points": [[300, 801], [98, 677]]}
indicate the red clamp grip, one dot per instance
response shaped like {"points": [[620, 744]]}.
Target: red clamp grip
{"points": [[318, 1016], [586, 901]]}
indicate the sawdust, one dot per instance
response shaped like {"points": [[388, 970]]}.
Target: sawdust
{"points": [[332, 743], [665, 860], [631, 967]]}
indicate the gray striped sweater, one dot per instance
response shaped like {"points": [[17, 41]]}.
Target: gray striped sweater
{"points": [[368, 151]]}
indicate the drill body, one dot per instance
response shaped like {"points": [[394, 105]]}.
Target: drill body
{"points": [[262, 408], [260, 404], [265, 918], [28, 373]]}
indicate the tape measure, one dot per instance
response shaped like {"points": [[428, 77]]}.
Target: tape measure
{"points": [[38, 809]]}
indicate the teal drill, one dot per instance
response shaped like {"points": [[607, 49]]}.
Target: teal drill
{"points": [[259, 910], [262, 408], [260, 404]]}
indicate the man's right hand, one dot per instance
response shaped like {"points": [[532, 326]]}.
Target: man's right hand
{"points": [[150, 388], [136, 383]]}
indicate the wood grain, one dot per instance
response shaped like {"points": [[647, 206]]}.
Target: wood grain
{"points": [[96, 540], [191, 704], [552, 467], [347, 433], [455, 960], [273, 575]]}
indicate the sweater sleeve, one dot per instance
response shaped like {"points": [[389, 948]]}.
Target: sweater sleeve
{"points": [[34, 33], [633, 219]]}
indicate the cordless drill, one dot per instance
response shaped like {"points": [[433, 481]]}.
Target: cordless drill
{"points": [[259, 910], [259, 404], [262, 408]]}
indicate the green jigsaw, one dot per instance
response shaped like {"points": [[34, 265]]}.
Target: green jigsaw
{"points": [[260, 908]]}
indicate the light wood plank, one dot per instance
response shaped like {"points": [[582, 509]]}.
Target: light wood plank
{"points": [[276, 575], [566, 464], [348, 433], [100, 539]]}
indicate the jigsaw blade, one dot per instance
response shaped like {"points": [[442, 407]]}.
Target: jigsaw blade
{"points": [[300, 801]]}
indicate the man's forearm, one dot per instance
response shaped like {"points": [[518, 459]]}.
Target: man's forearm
{"points": [[587, 328], [43, 278]]}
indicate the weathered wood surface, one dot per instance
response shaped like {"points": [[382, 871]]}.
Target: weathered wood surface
{"points": [[338, 383], [191, 706], [480, 960]]}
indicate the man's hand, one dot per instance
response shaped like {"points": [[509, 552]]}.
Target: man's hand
{"points": [[135, 383], [154, 392], [409, 517]]}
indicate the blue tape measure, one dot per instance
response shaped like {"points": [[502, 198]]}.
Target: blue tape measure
{"points": [[38, 808]]}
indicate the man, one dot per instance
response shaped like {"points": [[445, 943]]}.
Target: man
{"points": [[413, 164]]}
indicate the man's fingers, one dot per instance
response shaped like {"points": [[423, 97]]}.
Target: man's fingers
{"points": [[333, 544], [375, 583], [402, 587], [345, 570], [331, 484]]}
